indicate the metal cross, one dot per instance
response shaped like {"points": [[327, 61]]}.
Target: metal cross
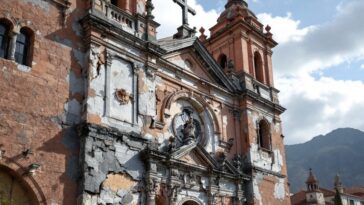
{"points": [[185, 9]]}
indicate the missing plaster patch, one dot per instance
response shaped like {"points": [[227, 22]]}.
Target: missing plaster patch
{"points": [[279, 190], [117, 189], [40, 3], [116, 182], [256, 190], [23, 68]]}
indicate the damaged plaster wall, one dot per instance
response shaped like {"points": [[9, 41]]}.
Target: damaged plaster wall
{"points": [[113, 98], [269, 179], [279, 189], [146, 91], [256, 190], [113, 169]]}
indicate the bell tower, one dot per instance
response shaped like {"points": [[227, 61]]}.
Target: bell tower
{"points": [[242, 47], [313, 194], [239, 43]]}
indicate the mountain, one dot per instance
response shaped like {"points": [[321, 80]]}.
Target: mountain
{"points": [[341, 151]]}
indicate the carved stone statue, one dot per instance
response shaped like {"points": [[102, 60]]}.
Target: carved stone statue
{"points": [[237, 161], [189, 129], [172, 144]]}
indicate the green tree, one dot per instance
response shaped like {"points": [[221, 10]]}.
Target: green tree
{"points": [[337, 199]]}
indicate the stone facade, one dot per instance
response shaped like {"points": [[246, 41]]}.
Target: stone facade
{"points": [[107, 114]]}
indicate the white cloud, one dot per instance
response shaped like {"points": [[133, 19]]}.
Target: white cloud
{"points": [[322, 46], [169, 15], [317, 106], [362, 66], [285, 29]]}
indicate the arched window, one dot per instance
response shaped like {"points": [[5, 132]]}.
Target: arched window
{"points": [[4, 33], [23, 47], [222, 60], [264, 137], [190, 203], [14, 190], [258, 66]]}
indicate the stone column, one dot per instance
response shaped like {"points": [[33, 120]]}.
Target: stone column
{"points": [[151, 198], [12, 45]]}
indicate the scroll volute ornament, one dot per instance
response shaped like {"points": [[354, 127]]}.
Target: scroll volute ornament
{"points": [[123, 96]]}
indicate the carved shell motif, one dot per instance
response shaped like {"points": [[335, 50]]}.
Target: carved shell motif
{"points": [[123, 96]]}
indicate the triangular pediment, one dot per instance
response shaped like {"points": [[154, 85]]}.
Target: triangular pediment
{"points": [[189, 62], [191, 56], [193, 158], [195, 155]]}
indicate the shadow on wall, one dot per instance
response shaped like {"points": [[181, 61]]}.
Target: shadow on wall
{"points": [[67, 144], [67, 141]]}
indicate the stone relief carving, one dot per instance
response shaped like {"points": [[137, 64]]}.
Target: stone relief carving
{"points": [[98, 59], [152, 186], [123, 96], [173, 193]]}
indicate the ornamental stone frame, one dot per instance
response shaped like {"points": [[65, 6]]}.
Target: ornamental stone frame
{"points": [[198, 103], [190, 199], [32, 186], [132, 65]]}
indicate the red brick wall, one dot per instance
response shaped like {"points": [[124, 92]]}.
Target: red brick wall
{"points": [[34, 104]]}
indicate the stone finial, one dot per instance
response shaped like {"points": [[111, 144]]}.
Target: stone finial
{"points": [[230, 65], [268, 33], [202, 37], [268, 28], [149, 7]]}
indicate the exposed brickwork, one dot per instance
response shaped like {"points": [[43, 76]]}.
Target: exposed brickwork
{"points": [[34, 104]]}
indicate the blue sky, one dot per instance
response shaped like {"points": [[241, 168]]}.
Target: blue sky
{"points": [[318, 64]]}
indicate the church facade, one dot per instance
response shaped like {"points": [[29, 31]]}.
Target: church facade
{"points": [[96, 109]]}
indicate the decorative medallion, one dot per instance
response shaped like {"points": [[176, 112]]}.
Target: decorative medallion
{"points": [[123, 96]]}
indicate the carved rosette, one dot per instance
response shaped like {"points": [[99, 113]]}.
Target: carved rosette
{"points": [[123, 97]]}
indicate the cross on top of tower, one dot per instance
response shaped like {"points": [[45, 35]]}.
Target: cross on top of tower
{"points": [[185, 10]]}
